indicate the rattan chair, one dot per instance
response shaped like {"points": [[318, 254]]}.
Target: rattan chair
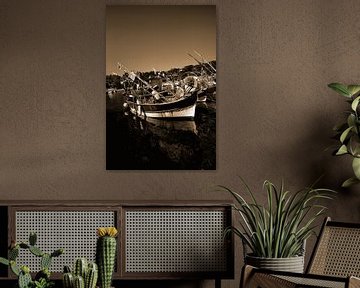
{"points": [[334, 263]]}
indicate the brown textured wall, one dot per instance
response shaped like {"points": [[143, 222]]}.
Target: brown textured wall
{"points": [[275, 112]]}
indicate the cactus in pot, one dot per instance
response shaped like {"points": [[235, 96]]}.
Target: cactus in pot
{"points": [[106, 254], [25, 279], [42, 278], [79, 282], [91, 276], [85, 275], [81, 267], [68, 278]]}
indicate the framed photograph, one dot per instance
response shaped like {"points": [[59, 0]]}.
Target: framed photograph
{"points": [[161, 87]]}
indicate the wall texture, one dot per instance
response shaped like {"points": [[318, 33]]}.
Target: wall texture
{"points": [[275, 113]]}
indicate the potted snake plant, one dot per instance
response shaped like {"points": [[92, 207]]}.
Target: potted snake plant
{"points": [[348, 133], [274, 234]]}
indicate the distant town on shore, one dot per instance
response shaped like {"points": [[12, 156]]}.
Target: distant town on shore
{"points": [[117, 81]]}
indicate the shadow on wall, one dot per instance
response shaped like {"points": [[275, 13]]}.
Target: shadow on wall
{"points": [[335, 170], [322, 163], [309, 154]]}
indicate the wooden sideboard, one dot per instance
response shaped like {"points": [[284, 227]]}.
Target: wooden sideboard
{"points": [[163, 240]]}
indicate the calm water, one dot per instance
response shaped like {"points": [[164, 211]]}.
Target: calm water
{"points": [[136, 144]]}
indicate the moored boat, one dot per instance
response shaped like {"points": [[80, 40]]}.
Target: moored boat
{"points": [[201, 96], [183, 108]]}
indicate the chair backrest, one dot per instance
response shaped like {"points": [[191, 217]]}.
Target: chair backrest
{"points": [[337, 251]]}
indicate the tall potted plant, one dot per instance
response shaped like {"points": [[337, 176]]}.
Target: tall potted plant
{"points": [[348, 132], [275, 233]]}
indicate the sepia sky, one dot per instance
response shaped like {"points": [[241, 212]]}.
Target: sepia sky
{"points": [[143, 37]]}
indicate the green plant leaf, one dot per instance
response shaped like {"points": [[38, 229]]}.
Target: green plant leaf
{"points": [[356, 167], [355, 103], [13, 253], [353, 89], [279, 228], [351, 120], [342, 150], [345, 134], [4, 261], [23, 245], [32, 238], [45, 261], [14, 268], [354, 145], [340, 88], [349, 182], [36, 251]]}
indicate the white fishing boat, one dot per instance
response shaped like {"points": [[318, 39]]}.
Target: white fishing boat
{"points": [[183, 107]]}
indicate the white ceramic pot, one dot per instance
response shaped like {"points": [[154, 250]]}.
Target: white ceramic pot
{"points": [[291, 264]]}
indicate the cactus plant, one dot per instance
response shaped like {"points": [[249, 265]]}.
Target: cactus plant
{"points": [[14, 268], [106, 254], [68, 280], [42, 278], [13, 253], [79, 282], [43, 274], [80, 268], [91, 276], [32, 238], [42, 283], [45, 261], [24, 277], [4, 261], [84, 274], [36, 251]]}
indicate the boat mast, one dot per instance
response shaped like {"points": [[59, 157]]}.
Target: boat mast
{"points": [[156, 93], [200, 63], [204, 60]]}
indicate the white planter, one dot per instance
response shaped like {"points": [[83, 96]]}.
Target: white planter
{"points": [[291, 264]]}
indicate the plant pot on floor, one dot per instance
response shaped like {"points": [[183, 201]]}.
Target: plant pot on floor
{"points": [[290, 264], [275, 233]]}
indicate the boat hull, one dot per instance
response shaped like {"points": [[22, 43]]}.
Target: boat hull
{"points": [[202, 98], [182, 108]]}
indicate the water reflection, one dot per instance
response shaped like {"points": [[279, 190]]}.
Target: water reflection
{"points": [[173, 125], [137, 144]]}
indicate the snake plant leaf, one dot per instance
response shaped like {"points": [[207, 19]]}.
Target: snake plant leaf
{"points": [[345, 134], [353, 89], [356, 167], [355, 103], [278, 228], [341, 89], [342, 150], [349, 182]]}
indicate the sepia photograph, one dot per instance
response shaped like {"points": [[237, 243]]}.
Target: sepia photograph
{"points": [[161, 87]]}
